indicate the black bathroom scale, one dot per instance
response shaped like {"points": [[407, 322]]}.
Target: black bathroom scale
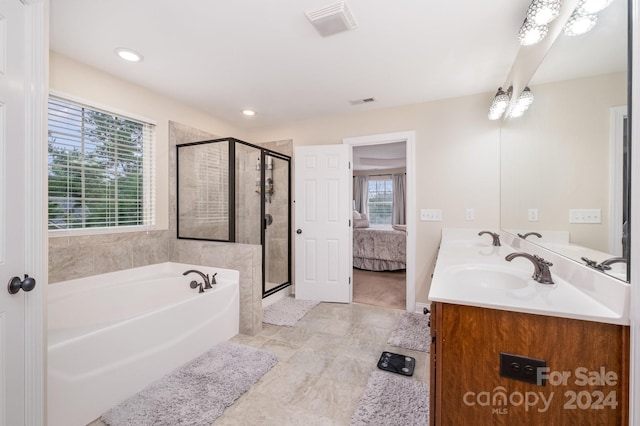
{"points": [[397, 363]]}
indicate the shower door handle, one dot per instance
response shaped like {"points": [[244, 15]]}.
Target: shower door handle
{"points": [[298, 231]]}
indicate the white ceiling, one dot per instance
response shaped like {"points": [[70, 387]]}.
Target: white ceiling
{"points": [[224, 56], [380, 157]]}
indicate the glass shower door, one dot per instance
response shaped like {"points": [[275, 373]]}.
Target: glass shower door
{"points": [[277, 229]]}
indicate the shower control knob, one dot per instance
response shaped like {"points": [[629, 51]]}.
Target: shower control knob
{"points": [[298, 231], [15, 284]]}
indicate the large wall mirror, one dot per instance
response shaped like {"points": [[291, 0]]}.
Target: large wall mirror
{"points": [[564, 163]]}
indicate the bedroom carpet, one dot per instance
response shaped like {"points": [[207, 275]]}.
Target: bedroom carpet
{"points": [[386, 289], [196, 393], [393, 400]]}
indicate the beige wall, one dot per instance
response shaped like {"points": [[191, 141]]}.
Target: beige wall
{"points": [[457, 162], [78, 80]]}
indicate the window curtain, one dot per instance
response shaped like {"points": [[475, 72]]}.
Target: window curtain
{"points": [[398, 204], [361, 193]]}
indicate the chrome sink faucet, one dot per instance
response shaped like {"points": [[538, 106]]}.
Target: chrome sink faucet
{"points": [[541, 272], [205, 278], [496, 237]]}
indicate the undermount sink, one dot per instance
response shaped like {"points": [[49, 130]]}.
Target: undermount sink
{"points": [[488, 277]]}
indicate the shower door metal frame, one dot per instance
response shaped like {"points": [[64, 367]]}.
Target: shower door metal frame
{"points": [[231, 195], [263, 154], [232, 203]]}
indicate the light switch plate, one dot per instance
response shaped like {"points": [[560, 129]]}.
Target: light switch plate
{"points": [[585, 216], [430, 215], [469, 214], [533, 215]]}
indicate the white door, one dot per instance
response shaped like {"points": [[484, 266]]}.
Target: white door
{"points": [[323, 216], [12, 211]]}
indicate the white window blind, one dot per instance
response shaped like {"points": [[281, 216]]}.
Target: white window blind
{"points": [[212, 185], [101, 168], [380, 199]]}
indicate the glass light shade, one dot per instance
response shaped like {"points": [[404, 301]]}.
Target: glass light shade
{"points": [[579, 24], [499, 104], [495, 113], [589, 7], [531, 33], [526, 97], [517, 111], [541, 12], [501, 100]]}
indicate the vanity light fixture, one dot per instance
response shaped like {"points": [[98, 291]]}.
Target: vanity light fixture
{"points": [[542, 12], [580, 24], [584, 17], [128, 54], [539, 14], [249, 112], [531, 33], [522, 104], [499, 104], [589, 7]]}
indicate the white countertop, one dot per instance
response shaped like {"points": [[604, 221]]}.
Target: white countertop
{"points": [[467, 267]]}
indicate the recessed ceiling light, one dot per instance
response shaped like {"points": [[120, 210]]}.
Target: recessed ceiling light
{"points": [[248, 112], [128, 54]]}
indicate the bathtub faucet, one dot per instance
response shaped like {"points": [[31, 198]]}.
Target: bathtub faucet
{"points": [[205, 278]]}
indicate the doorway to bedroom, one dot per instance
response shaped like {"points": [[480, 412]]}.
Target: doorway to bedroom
{"points": [[380, 224]]}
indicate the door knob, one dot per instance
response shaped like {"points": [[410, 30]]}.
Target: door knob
{"points": [[298, 231], [15, 284]]}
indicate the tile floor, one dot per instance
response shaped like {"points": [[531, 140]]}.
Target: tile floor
{"points": [[324, 364]]}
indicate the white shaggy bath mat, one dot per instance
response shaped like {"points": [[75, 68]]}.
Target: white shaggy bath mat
{"points": [[196, 393], [392, 400], [287, 311], [412, 332]]}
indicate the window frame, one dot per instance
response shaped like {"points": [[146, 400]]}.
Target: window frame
{"points": [[149, 172]]}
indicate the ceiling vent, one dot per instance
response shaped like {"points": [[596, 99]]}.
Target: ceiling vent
{"points": [[332, 19], [362, 101]]}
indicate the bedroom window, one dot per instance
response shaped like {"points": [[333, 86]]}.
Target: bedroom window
{"points": [[100, 171], [380, 199]]}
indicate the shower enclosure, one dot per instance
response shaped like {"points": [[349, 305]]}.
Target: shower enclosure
{"points": [[234, 191]]}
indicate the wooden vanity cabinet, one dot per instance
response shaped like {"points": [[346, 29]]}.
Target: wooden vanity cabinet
{"points": [[587, 376]]}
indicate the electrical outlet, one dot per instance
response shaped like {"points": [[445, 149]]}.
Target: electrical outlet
{"points": [[469, 214], [521, 368], [533, 215], [585, 216], [430, 215]]}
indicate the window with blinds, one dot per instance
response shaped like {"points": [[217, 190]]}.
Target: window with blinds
{"points": [[212, 185], [100, 168], [380, 199]]}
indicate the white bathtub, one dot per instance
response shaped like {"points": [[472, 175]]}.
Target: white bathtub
{"points": [[111, 335]]}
